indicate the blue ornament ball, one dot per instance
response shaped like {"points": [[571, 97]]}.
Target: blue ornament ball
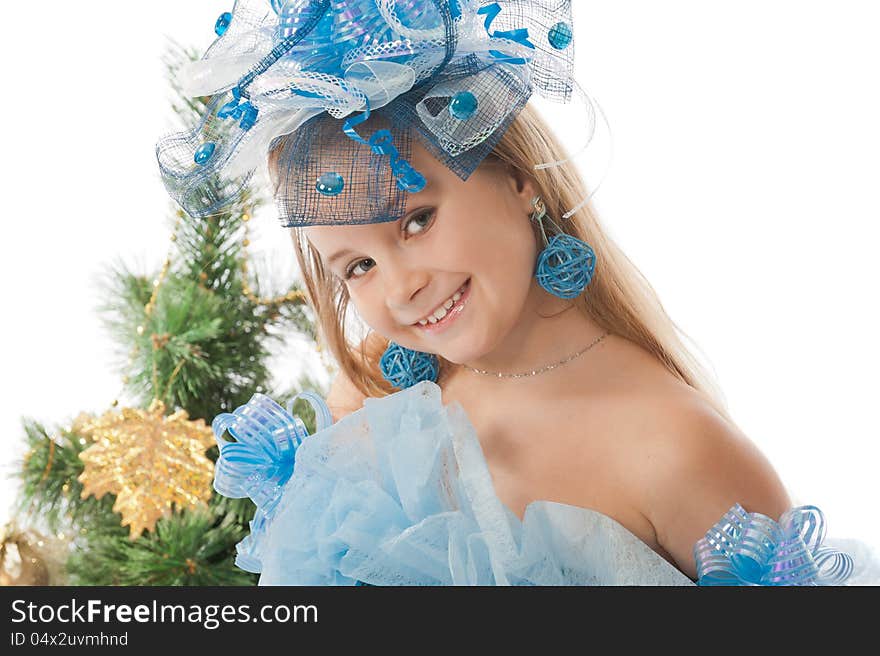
{"points": [[403, 367], [203, 153], [565, 267], [560, 35], [222, 24], [330, 184], [463, 105]]}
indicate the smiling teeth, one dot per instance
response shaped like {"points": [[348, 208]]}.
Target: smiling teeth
{"points": [[441, 311]]}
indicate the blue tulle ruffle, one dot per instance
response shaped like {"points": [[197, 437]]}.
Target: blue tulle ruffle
{"points": [[399, 493]]}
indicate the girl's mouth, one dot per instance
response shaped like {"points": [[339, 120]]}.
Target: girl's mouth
{"points": [[451, 314]]}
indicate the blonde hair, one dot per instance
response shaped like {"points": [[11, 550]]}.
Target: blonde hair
{"points": [[618, 298]]}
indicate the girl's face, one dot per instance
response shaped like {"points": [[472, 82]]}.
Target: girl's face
{"points": [[453, 232]]}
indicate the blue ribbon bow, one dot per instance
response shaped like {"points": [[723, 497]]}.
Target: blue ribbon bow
{"points": [[261, 460], [313, 12], [745, 548]]}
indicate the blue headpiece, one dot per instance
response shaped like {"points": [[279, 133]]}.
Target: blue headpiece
{"points": [[451, 73]]}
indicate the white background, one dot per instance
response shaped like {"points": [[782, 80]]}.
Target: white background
{"points": [[743, 184]]}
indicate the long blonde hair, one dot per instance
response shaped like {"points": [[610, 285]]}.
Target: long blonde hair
{"points": [[618, 298]]}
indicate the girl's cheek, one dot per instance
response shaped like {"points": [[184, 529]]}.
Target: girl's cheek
{"points": [[370, 307]]}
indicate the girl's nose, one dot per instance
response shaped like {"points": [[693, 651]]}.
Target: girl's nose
{"points": [[403, 286]]}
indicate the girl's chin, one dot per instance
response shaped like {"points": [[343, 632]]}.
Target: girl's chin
{"points": [[459, 357]]}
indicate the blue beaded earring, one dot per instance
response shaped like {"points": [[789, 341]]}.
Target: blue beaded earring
{"points": [[403, 367], [565, 266]]}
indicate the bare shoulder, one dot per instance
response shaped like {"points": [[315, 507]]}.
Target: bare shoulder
{"points": [[684, 463], [693, 466], [344, 397]]}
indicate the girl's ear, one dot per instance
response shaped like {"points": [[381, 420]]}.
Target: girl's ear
{"points": [[523, 187]]}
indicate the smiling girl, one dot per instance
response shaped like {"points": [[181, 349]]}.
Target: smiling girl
{"points": [[522, 409], [629, 427]]}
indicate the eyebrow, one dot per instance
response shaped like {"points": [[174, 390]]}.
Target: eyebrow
{"points": [[347, 251], [339, 254]]}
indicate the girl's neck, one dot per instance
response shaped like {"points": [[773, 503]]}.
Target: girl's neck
{"points": [[549, 330]]}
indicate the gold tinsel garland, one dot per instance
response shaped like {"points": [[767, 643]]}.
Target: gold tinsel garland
{"points": [[152, 463], [30, 558]]}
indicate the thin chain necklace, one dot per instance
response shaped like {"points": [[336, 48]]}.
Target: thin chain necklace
{"points": [[535, 372]]}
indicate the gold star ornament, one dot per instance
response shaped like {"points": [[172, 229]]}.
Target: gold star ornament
{"points": [[152, 463]]}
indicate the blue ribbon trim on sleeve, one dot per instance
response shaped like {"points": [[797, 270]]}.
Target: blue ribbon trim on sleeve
{"points": [[745, 548]]}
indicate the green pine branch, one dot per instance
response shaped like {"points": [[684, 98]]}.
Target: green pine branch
{"points": [[49, 473], [188, 548], [202, 347]]}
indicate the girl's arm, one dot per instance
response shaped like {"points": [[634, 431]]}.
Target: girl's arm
{"points": [[693, 470], [343, 397]]}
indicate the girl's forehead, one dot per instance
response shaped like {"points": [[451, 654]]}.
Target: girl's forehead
{"points": [[368, 194], [327, 179], [324, 236], [324, 177]]}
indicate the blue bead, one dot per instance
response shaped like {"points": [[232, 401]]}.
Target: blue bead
{"points": [[463, 105], [222, 23], [559, 36], [204, 152], [330, 184]]}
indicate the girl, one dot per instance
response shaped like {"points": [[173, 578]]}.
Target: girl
{"points": [[631, 427], [523, 409]]}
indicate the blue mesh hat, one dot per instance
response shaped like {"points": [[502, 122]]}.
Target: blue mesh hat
{"points": [[451, 73]]}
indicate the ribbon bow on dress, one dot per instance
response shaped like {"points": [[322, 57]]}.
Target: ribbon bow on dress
{"points": [[745, 548], [261, 460]]}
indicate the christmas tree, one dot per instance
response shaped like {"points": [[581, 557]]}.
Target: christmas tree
{"points": [[125, 498]]}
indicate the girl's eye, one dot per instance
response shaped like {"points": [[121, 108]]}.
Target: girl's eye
{"points": [[422, 219], [350, 270]]}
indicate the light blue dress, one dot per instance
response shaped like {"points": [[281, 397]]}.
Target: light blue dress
{"points": [[399, 493]]}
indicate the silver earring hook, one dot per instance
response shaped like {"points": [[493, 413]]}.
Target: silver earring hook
{"points": [[540, 210], [540, 214]]}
